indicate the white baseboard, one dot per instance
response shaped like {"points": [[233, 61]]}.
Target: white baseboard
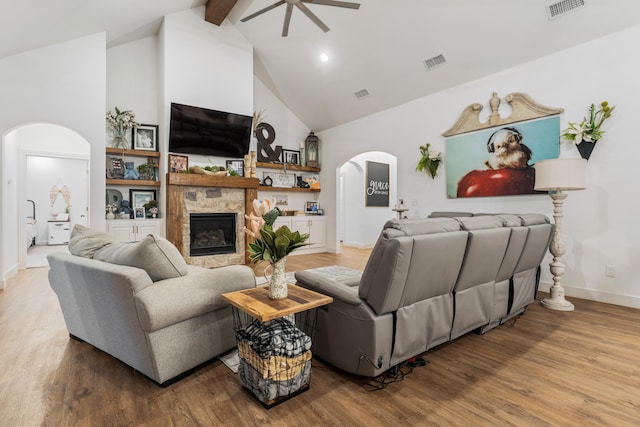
{"points": [[359, 245], [593, 295], [11, 272]]}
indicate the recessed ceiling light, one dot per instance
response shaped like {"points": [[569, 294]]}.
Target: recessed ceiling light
{"points": [[324, 57]]}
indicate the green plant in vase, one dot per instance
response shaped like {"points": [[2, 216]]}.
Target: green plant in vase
{"points": [[430, 160], [271, 245], [589, 131]]}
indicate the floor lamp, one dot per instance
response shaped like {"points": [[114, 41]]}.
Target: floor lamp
{"points": [[556, 176]]}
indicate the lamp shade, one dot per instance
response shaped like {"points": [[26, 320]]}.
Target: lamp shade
{"points": [[561, 174]]}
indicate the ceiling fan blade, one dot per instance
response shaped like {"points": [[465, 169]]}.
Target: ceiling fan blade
{"points": [[261, 11], [346, 4], [287, 20], [312, 16]]}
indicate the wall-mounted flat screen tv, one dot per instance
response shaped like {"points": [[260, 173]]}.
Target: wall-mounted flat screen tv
{"points": [[196, 130]]}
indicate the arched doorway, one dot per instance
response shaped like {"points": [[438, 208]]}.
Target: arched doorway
{"points": [[359, 225], [36, 158]]}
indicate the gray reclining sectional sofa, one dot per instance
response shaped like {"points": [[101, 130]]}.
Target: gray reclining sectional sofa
{"points": [[429, 281]]}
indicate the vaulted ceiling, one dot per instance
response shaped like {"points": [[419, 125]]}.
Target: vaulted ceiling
{"points": [[381, 47]]}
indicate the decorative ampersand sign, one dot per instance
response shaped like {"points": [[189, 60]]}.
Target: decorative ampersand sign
{"points": [[265, 152]]}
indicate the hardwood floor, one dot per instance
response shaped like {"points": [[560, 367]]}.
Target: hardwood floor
{"points": [[547, 368]]}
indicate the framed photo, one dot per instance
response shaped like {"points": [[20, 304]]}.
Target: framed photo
{"points": [[138, 213], [138, 198], [145, 137], [178, 163], [291, 157], [311, 207], [237, 166]]}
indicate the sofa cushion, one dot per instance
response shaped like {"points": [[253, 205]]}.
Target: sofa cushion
{"points": [[155, 255], [85, 241]]}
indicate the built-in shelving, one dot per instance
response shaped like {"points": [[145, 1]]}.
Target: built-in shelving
{"points": [[282, 166], [132, 153], [289, 189], [136, 153]]}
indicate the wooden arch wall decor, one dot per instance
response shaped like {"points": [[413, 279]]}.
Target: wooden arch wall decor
{"points": [[497, 157], [523, 107]]}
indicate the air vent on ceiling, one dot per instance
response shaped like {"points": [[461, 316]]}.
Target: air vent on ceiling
{"points": [[434, 62], [555, 10], [361, 93]]}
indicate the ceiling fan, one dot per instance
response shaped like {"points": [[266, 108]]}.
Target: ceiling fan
{"points": [[300, 5]]}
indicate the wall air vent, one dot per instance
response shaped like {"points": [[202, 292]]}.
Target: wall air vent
{"points": [[434, 62], [361, 93], [558, 9]]}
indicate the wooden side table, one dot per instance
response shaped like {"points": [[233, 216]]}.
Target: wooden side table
{"points": [[254, 303]]}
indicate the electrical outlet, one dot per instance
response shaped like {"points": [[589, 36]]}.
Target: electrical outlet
{"points": [[610, 270], [414, 202]]}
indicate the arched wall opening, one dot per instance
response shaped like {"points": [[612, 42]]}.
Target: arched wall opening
{"points": [[36, 159], [359, 225]]}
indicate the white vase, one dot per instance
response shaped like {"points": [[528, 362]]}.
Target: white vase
{"points": [[110, 215], [278, 280]]}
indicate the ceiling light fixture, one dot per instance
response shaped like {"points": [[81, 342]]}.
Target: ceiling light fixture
{"points": [[324, 57]]}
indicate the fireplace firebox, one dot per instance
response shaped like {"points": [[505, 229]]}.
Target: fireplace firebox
{"points": [[212, 233]]}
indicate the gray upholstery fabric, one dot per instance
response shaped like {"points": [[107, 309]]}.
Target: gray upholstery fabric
{"points": [[439, 277], [161, 329], [85, 242], [155, 255], [446, 214]]}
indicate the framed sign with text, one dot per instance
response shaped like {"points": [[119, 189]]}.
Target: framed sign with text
{"points": [[377, 184]]}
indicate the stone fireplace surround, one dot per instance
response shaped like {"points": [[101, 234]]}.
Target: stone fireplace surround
{"points": [[193, 193]]}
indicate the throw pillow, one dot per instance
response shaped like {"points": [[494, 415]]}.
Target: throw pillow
{"points": [[85, 241], [155, 255]]}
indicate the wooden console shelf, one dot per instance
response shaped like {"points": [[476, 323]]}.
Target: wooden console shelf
{"points": [[289, 167], [138, 153], [289, 189]]}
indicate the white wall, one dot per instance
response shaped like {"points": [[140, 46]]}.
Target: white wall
{"points": [[132, 79], [600, 227], [62, 84]]}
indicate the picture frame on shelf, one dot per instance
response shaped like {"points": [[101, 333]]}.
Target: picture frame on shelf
{"points": [[178, 163], [237, 166], [138, 198], [291, 157], [283, 180], [311, 207], [145, 137], [138, 213]]}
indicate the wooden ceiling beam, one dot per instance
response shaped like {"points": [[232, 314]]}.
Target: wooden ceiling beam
{"points": [[217, 10]]}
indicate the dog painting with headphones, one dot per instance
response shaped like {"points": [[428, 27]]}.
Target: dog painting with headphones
{"points": [[508, 150], [508, 170]]}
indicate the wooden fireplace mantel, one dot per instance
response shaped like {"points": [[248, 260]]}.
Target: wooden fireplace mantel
{"points": [[175, 195]]}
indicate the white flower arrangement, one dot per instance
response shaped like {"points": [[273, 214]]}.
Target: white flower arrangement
{"points": [[121, 122], [589, 129], [430, 160]]}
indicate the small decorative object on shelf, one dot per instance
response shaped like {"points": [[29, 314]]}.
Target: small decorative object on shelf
{"points": [[272, 246], [588, 132], [400, 208], [311, 144], [121, 123], [430, 161], [253, 172], [110, 208]]}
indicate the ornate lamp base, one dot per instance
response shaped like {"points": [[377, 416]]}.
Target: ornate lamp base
{"points": [[557, 249], [557, 303]]}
